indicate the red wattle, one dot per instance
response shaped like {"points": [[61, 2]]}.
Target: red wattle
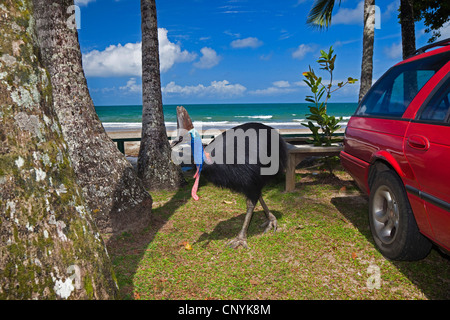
{"points": [[196, 174], [195, 187]]}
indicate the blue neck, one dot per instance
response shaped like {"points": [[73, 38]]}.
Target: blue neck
{"points": [[197, 148]]}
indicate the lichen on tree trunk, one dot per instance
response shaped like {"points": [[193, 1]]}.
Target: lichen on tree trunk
{"points": [[155, 165], [367, 56], [110, 185], [50, 247]]}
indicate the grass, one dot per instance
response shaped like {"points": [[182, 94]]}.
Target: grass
{"points": [[322, 249]]}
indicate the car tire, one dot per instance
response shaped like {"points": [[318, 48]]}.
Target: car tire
{"points": [[392, 223]]}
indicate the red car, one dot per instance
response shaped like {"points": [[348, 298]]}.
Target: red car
{"points": [[397, 149]]}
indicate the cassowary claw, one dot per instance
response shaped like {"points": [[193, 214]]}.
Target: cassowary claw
{"points": [[236, 242], [270, 224]]}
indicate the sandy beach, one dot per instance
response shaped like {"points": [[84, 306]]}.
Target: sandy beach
{"points": [[132, 147]]}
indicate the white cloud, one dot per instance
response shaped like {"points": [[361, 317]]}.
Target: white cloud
{"points": [[445, 31], [391, 9], [131, 86], [349, 16], [250, 42], [271, 91], [114, 61], [231, 34], [170, 53], [279, 87], [394, 51], [266, 57], [208, 59], [126, 60], [302, 50], [299, 2], [83, 2], [281, 84], [216, 88]]}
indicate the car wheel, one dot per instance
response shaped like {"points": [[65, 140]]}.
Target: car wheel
{"points": [[392, 223]]}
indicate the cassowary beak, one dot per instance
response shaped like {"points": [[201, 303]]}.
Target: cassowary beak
{"points": [[184, 124]]}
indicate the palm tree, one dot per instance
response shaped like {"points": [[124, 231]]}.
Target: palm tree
{"points": [[320, 17], [320, 14], [407, 26], [368, 39], [110, 185], [408, 45], [155, 165]]}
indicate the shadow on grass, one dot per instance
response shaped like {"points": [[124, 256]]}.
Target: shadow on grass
{"points": [[431, 275], [230, 228], [312, 178], [127, 250]]}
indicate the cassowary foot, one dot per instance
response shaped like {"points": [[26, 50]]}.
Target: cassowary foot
{"points": [[236, 242], [270, 224]]}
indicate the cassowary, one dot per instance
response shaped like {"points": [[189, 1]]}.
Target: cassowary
{"points": [[243, 159]]}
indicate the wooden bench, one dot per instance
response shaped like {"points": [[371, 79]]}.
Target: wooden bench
{"points": [[121, 143], [297, 153], [293, 138]]}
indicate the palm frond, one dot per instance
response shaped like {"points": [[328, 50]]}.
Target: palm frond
{"points": [[320, 14]]}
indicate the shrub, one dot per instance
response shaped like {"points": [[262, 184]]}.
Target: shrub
{"points": [[325, 125]]}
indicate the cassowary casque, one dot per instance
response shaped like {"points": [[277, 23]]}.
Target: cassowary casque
{"points": [[243, 159]]}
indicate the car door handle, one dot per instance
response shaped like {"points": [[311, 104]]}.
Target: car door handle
{"points": [[418, 142]]}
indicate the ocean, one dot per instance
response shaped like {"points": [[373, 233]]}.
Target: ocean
{"points": [[222, 116]]}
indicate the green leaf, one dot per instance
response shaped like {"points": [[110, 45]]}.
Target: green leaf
{"points": [[320, 14], [322, 107], [314, 110], [320, 94], [307, 83], [319, 80], [351, 80]]}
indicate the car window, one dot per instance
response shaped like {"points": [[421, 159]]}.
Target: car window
{"points": [[392, 94], [437, 108]]}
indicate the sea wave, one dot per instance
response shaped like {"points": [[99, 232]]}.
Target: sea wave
{"points": [[123, 124], [206, 125], [256, 117]]}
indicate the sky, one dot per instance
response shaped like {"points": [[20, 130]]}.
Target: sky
{"points": [[230, 51]]}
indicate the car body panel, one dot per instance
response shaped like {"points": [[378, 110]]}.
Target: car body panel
{"points": [[371, 139], [357, 168], [418, 151]]}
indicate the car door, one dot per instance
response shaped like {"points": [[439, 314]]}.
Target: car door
{"points": [[427, 148]]}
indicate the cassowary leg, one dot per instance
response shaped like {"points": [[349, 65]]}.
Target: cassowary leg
{"points": [[271, 222], [241, 239]]}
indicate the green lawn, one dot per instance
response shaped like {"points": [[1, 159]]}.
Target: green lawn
{"points": [[322, 249]]}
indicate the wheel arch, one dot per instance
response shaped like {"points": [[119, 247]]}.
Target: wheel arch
{"points": [[382, 162]]}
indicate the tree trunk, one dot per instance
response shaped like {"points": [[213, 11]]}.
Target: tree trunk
{"points": [[112, 190], [408, 47], [368, 39], [407, 26], [155, 165], [50, 247]]}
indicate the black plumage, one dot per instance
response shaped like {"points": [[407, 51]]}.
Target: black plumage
{"points": [[243, 178], [243, 159]]}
